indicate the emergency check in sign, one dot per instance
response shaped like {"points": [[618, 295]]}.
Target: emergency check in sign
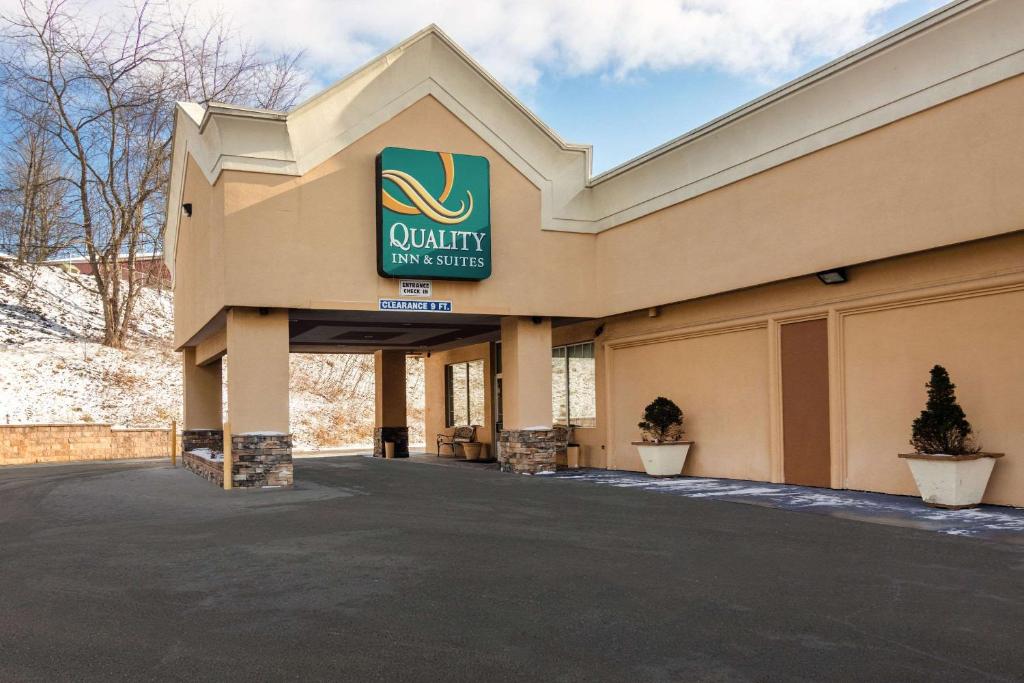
{"points": [[422, 288]]}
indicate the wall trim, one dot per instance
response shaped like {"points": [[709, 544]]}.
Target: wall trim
{"points": [[1008, 277], [776, 437], [685, 333]]}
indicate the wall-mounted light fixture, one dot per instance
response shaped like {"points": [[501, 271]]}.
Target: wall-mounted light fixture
{"points": [[836, 276], [187, 208]]}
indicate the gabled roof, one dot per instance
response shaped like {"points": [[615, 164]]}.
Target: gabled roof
{"points": [[964, 46]]}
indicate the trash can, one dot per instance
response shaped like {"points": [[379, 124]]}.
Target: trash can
{"points": [[389, 449], [572, 456]]}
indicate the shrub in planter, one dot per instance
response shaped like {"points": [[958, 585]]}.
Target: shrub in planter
{"points": [[949, 469], [662, 452], [663, 421], [942, 426]]}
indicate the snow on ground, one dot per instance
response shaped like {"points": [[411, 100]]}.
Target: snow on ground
{"points": [[53, 368], [86, 382], [987, 521], [45, 303]]}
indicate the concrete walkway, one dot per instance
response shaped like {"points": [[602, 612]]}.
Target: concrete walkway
{"points": [[389, 570]]}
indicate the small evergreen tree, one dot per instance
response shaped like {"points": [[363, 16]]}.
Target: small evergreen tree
{"points": [[942, 426], [663, 420]]}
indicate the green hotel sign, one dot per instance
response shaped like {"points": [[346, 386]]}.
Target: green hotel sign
{"points": [[433, 215]]}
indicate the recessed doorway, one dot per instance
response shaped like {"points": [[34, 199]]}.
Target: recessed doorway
{"points": [[805, 403]]}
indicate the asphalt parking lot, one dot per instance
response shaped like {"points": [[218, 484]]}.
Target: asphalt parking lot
{"points": [[394, 570]]}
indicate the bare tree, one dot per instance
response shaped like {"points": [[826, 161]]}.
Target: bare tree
{"points": [[34, 220], [339, 378], [108, 88], [216, 64]]}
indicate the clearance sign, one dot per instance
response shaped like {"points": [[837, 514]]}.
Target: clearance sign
{"points": [[433, 215]]}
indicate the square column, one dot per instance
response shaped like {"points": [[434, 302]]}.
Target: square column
{"points": [[528, 444], [261, 445], [203, 404], [389, 386]]}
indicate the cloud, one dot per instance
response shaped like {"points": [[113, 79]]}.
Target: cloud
{"points": [[520, 40]]}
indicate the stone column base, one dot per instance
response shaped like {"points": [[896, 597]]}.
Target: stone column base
{"points": [[531, 451], [261, 460], [400, 435], [257, 460], [191, 439]]}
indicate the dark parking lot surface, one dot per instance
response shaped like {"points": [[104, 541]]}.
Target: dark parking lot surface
{"points": [[393, 570]]}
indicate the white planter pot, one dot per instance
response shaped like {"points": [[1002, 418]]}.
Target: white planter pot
{"points": [[663, 459], [951, 481]]}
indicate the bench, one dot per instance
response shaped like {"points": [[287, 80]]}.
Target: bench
{"points": [[459, 435]]}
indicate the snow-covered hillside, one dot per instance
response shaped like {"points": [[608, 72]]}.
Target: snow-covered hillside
{"points": [[52, 369]]}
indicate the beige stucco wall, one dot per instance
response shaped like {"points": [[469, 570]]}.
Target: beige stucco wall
{"points": [[526, 372], [721, 383], [389, 376], [886, 358], [433, 387], [213, 345], [310, 242], [949, 174], [257, 370], [199, 292], [717, 357], [945, 175], [202, 386], [593, 452]]}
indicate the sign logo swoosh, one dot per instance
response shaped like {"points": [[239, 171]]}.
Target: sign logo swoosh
{"points": [[422, 202]]}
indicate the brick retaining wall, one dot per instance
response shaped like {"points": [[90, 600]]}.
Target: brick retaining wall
{"points": [[27, 444]]}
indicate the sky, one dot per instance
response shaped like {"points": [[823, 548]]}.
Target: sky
{"points": [[621, 75]]}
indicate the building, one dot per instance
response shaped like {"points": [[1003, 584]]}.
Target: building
{"points": [[149, 266], [690, 272]]}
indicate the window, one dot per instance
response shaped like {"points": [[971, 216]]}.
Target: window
{"points": [[573, 385], [464, 394]]}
